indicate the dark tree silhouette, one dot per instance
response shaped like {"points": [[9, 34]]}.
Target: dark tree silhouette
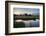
{"points": [[29, 14], [25, 14]]}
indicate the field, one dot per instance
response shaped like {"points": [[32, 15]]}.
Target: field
{"points": [[26, 17]]}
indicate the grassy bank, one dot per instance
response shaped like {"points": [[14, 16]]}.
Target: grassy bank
{"points": [[26, 17]]}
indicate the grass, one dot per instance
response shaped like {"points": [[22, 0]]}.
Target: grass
{"points": [[19, 24], [27, 17], [22, 25]]}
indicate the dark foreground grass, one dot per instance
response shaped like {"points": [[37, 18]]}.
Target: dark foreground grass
{"points": [[22, 25], [19, 25]]}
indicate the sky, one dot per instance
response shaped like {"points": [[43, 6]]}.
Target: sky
{"points": [[33, 11]]}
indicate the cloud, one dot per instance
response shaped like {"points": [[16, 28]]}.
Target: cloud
{"points": [[33, 11]]}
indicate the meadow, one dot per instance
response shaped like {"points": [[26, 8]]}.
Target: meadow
{"points": [[27, 17]]}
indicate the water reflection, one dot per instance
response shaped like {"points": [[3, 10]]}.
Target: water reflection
{"points": [[29, 23]]}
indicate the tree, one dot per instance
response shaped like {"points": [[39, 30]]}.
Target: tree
{"points": [[25, 14], [29, 14]]}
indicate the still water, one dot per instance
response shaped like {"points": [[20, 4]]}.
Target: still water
{"points": [[30, 23]]}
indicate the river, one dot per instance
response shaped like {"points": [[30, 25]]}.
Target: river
{"points": [[30, 23]]}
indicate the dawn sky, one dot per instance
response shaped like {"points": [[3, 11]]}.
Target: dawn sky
{"points": [[32, 11]]}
